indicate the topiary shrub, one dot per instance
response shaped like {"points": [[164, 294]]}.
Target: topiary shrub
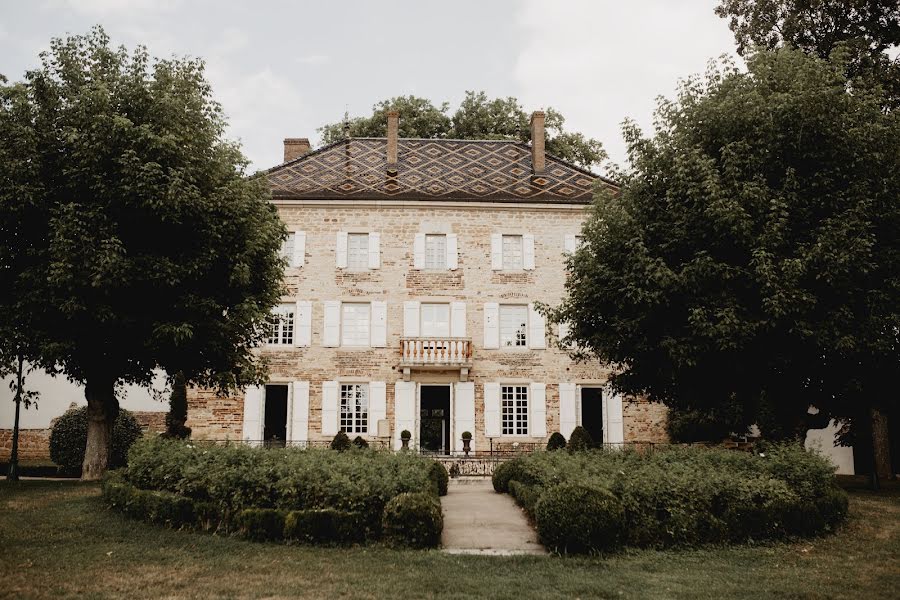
{"points": [[323, 526], [261, 524], [360, 443], [504, 473], [177, 415], [556, 442], [580, 440], [413, 519], [341, 442], [579, 518], [68, 438], [438, 474], [525, 495]]}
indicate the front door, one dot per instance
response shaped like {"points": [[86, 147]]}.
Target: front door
{"points": [[275, 425], [434, 428], [592, 412]]}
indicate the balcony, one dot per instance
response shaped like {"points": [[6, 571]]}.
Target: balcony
{"points": [[436, 354]]}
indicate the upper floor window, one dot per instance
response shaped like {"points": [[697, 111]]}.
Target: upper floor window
{"points": [[435, 320], [287, 249], [281, 325], [355, 324], [358, 251], [512, 253], [514, 409], [513, 326], [354, 408], [435, 251]]}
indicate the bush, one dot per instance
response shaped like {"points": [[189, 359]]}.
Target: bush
{"points": [[340, 442], [440, 477], [413, 519], [688, 426], [467, 435], [261, 524], [504, 473], [323, 526], [68, 438], [576, 518], [556, 442], [360, 443], [580, 440], [177, 415], [525, 495]]}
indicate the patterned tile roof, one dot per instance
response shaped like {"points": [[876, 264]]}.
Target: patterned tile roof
{"points": [[477, 170]]}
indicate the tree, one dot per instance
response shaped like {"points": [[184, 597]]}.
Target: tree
{"points": [[752, 257], [138, 241], [866, 29], [477, 118], [177, 415]]}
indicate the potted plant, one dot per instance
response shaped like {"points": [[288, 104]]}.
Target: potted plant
{"points": [[467, 441], [405, 436]]}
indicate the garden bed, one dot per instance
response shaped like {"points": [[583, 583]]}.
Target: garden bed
{"points": [[315, 496], [598, 500]]}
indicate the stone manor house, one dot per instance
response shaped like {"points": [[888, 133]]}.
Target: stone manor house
{"points": [[415, 265]]}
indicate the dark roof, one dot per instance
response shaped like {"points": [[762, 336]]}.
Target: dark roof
{"points": [[485, 170]]}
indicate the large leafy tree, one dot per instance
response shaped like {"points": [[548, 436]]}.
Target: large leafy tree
{"points": [[477, 118], [133, 238], [752, 258]]}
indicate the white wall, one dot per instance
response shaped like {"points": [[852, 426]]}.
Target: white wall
{"points": [[823, 441], [57, 393]]}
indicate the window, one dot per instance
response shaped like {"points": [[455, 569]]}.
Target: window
{"points": [[514, 409], [513, 326], [354, 408], [512, 253], [287, 249], [358, 251], [435, 320], [281, 325], [435, 251], [355, 324]]}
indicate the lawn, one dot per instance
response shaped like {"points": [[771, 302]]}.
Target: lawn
{"points": [[57, 540]]}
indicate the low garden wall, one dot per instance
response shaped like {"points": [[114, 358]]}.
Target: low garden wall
{"points": [[318, 496], [590, 501]]}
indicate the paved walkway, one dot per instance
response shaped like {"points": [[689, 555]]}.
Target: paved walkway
{"points": [[477, 520]]}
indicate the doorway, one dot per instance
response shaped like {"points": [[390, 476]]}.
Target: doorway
{"points": [[592, 412], [275, 424], [434, 422]]}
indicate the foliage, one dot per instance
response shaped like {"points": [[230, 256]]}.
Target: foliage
{"points": [[440, 477], [505, 472], [467, 435], [405, 435], [323, 526], [68, 436], [687, 426], [557, 441], [579, 518], [133, 239], [752, 258], [359, 442], [261, 524], [526, 495], [413, 519], [341, 442], [580, 440], [177, 415], [477, 118]]}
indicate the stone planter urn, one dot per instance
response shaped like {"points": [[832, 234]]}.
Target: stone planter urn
{"points": [[467, 442], [405, 436]]}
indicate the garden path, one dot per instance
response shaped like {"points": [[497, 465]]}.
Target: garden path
{"points": [[477, 520]]}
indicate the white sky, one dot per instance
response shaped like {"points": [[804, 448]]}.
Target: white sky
{"points": [[282, 69]]}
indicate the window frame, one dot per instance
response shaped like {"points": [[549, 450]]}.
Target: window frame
{"points": [[525, 345], [358, 417], [517, 419], [440, 257], [285, 334], [368, 340], [358, 258], [422, 310], [520, 252]]}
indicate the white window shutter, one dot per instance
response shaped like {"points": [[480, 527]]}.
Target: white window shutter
{"points": [[404, 411], [331, 333], [303, 324], [538, 405], [496, 252], [570, 243], [374, 250], [614, 422], [253, 410], [299, 249], [567, 413], [340, 250], [419, 251], [492, 409], [491, 325], [536, 337], [411, 310], [299, 431], [452, 251], [457, 319], [465, 413], [528, 252], [379, 324], [329, 407], [377, 405]]}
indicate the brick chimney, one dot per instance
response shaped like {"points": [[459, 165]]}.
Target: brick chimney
{"points": [[295, 148], [538, 160], [393, 126]]}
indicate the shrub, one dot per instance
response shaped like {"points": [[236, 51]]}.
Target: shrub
{"points": [[505, 472], [580, 440], [440, 477], [323, 526], [405, 435], [177, 415], [360, 443], [68, 438], [467, 435], [575, 517], [413, 519], [340, 442], [556, 442], [261, 524], [526, 495]]}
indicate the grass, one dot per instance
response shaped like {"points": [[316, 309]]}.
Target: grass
{"points": [[58, 540]]}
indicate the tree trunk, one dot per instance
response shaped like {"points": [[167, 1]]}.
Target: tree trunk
{"points": [[102, 410], [881, 447], [13, 474]]}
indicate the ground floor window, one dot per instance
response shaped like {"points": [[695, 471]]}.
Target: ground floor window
{"points": [[354, 408], [514, 409]]}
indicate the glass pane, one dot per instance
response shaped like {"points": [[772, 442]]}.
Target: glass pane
{"points": [[358, 251], [435, 320], [435, 251], [513, 326], [355, 324], [512, 252]]}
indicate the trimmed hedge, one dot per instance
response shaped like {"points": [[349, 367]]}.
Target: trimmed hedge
{"points": [[440, 476], [413, 519], [579, 518], [261, 524], [323, 526], [557, 441], [68, 438]]}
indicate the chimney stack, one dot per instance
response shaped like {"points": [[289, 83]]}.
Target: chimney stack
{"points": [[295, 148], [538, 159], [393, 126]]}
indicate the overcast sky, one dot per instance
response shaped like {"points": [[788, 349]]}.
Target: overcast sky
{"points": [[282, 69]]}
